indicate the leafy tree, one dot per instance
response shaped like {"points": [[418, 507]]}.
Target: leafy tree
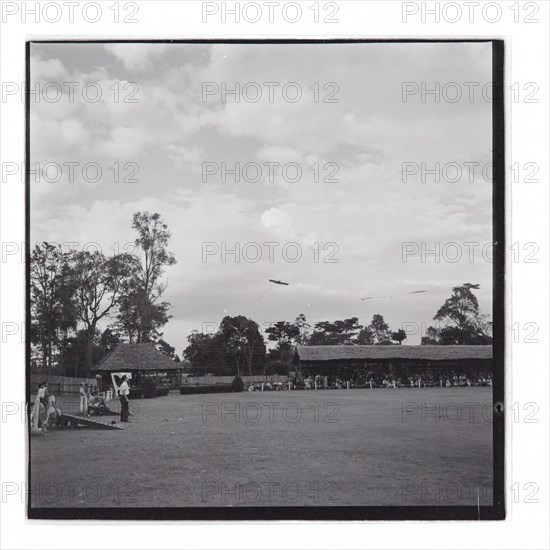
{"points": [[286, 335], [277, 362], [334, 333], [432, 337], [110, 339], [130, 319], [207, 353], [243, 342], [303, 327], [366, 337], [52, 314], [398, 336], [140, 312], [463, 323], [166, 349], [283, 332], [73, 351], [380, 329], [98, 282]]}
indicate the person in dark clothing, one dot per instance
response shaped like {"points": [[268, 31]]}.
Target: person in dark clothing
{"points": [[123, 392]]}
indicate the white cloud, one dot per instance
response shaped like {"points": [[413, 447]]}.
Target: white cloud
{"points": [[136, 57], [124, 143], [277, 220], [368, 133]]}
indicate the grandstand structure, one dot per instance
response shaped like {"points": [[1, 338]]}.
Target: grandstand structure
{"points": [[431, 365]]}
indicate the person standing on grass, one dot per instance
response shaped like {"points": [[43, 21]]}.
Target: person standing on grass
{"points": [[123, 392], [38, 414], [83, 399]]}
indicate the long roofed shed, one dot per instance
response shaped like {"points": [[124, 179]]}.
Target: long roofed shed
{"points": [[393, 353]]}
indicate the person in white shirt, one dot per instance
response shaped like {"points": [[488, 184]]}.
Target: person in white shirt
{"points": [[38, 411], [53, 412], [123, 392], [83, 399]]}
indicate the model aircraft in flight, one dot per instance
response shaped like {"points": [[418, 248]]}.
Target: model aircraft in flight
{"points": [[278, 282], [393, 295]]}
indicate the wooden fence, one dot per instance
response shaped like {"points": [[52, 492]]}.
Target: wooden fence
{"points": [[213, 380], [61, 385]]}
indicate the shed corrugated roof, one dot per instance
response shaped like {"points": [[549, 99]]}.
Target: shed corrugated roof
{"points": [[130, 357], [426, 353]]}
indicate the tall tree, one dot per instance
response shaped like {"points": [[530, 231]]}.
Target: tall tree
{"points": [[74, 349], [130, 319], [366, 337], [303, 327], [207, 353], [244, 342], [283, 332], [335, 333], [286, 335], [98, 282], [380, 329], [141, 312], [51, 305], [463, 322]]}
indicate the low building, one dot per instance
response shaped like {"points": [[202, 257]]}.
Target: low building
{"points": [[406, 365], [143, 361]]}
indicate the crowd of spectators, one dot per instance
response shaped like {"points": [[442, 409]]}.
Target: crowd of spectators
{"points": [[384, 378]]}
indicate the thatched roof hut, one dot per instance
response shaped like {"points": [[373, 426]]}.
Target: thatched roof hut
{"points": [[136, 357]]}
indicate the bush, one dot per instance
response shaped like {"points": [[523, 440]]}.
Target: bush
{"points": [[162, 390], [149, 388], [218, 388], [237, 385], [135, 393]]}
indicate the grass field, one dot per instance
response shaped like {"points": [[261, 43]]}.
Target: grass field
{"points": [[314, 448]]}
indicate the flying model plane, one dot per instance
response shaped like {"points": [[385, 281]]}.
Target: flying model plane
{"points": [[278, 282], [393, 295]]}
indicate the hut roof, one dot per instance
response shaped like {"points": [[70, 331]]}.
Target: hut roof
{"points": [[425, 353], [131, 357]]}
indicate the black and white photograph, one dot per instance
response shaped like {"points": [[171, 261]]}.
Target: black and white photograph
{"points": [[265, 279]]}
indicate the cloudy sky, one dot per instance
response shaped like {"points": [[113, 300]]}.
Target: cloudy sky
{"points": [[169, 130]]}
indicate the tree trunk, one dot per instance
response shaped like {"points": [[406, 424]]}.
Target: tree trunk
{"points": [[90, 345], [44, 355], [48, 371]]}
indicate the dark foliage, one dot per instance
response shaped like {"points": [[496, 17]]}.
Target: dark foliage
{"points": [[237, 385]]}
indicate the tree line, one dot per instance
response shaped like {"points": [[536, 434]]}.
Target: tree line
{"points": [[72, 292], [238, 346]]}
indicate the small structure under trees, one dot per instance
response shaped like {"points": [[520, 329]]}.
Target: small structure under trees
{"points": [[144, 361]]}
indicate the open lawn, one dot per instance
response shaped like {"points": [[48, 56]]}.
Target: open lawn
{"points": [[332, 447]]}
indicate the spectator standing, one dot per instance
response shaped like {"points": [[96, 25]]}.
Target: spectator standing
{"points": [[39, 409], [123, 392], [83, 399]]}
